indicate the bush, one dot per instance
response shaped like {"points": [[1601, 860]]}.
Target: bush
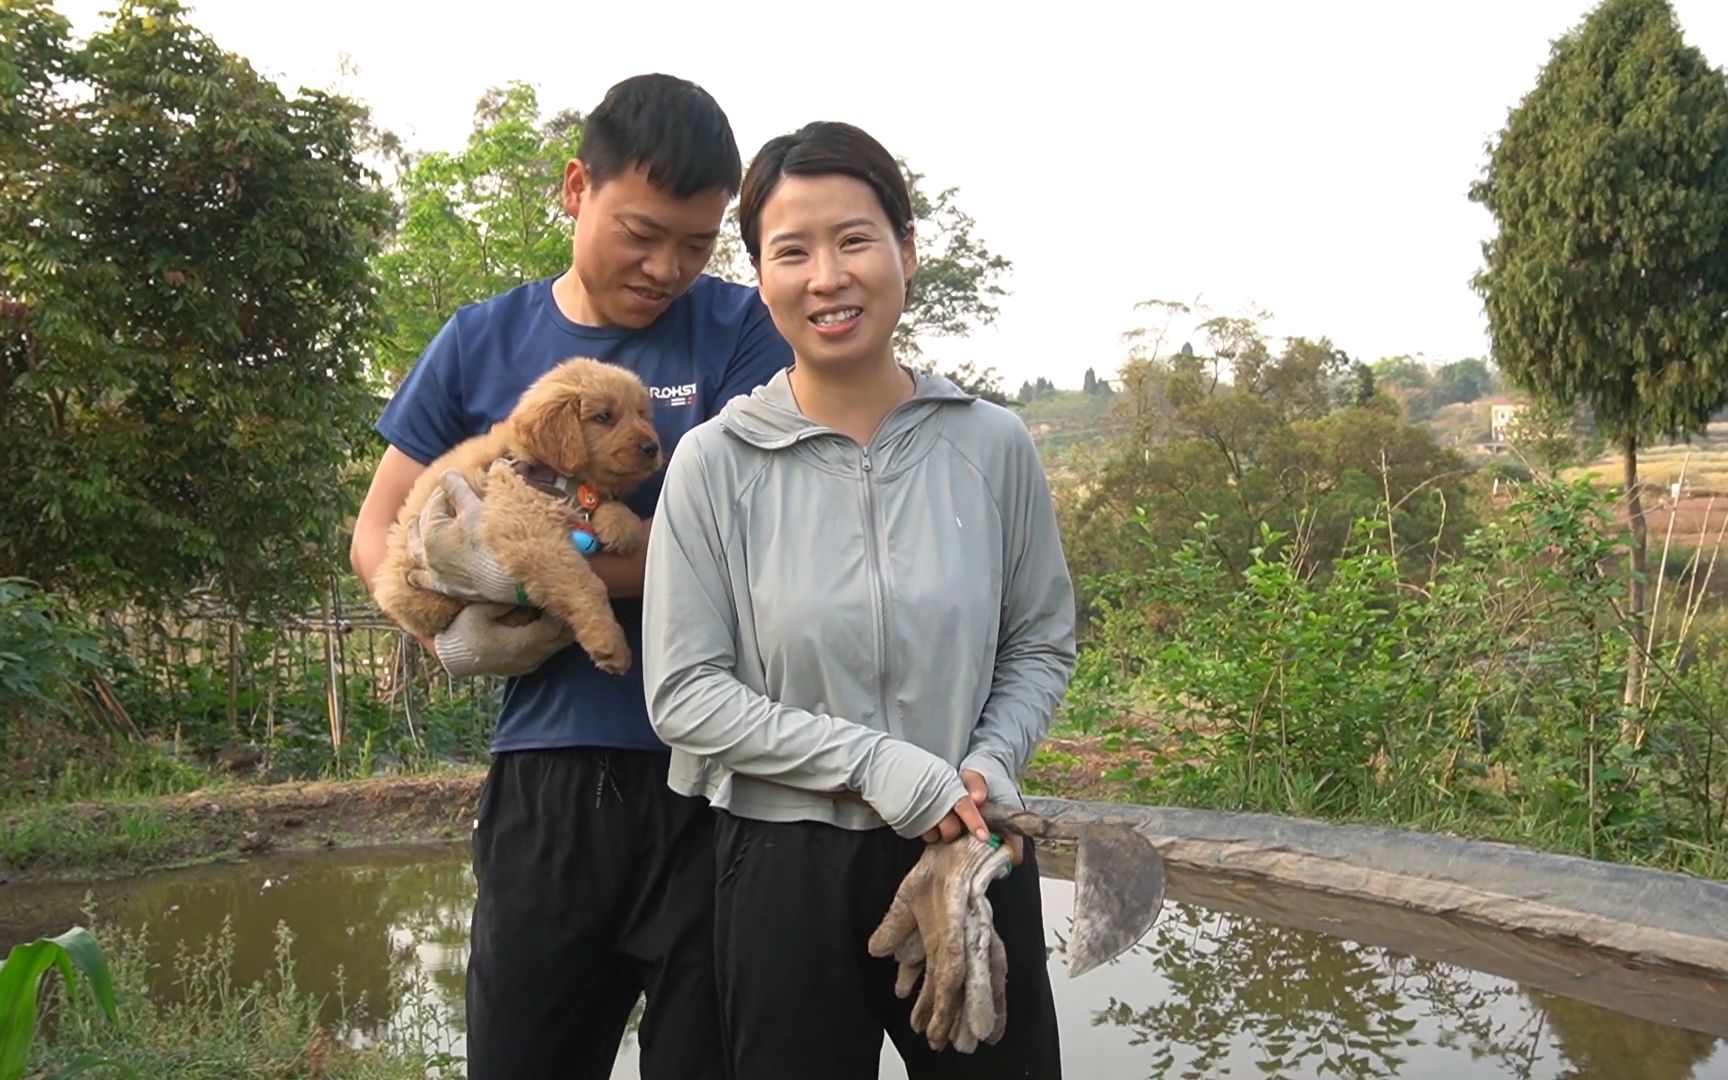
{"points": [[46, 651], [1493, 687]]}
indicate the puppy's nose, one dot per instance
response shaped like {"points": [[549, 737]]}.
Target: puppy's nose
{"points": [[650, 449]]}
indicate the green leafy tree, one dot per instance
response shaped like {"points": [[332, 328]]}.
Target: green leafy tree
{"points": [[185, 312], [959, 278], [1402, 371], [1554, 435], [1363, 377], [1470, 379], [1606, 280], [1409, 382], [477, 222], [1283, 444]]}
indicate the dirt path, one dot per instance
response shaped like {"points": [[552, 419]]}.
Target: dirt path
{"points": [[93, 841]]}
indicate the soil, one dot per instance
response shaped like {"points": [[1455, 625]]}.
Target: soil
{"points": [[237, 820], [230, 822], [1075, 768], [1080, 766]]}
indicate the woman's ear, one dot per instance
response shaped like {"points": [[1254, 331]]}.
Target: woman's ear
{"points": [[909, 253]]}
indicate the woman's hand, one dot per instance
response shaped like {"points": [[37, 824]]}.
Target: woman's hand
{"points": [[966, 816]]}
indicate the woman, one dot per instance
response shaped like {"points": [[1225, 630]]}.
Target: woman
{"points": [[858, 623]]}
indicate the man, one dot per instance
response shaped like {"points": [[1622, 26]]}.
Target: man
{"points": [[595, 880]]}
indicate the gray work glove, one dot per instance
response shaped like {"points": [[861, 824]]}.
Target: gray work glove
{"points": [[985, 1015], [478, 642], [940, 926], [449, 555]]}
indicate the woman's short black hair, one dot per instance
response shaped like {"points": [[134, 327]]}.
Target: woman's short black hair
{"points": [[671, 127], [823, 148]]}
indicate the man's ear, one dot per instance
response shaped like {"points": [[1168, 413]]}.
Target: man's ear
{"points": [[909, 254], [576, 185]]}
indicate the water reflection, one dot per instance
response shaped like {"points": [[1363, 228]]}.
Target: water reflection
{"points": [[1208, 993], [1216, 994]]}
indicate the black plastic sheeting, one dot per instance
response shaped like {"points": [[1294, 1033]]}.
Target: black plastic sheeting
{"points": [[1643, 914]]}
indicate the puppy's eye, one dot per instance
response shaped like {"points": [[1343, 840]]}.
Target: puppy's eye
{"points": [[604, 416]]}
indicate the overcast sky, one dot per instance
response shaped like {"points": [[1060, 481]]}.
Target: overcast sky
{"points": [[1308, 158]]}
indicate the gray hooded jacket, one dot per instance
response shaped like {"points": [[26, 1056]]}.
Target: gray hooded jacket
{"points": [[824, 621]]}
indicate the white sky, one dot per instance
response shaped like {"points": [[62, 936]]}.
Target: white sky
{"points": [[1312, 159]]}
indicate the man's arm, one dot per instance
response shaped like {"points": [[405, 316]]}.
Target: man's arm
{"points": [[622, 574], [391, 482]]}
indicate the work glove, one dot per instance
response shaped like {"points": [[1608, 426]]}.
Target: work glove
{"points": [[449, 554], [939, 925], [479, 642], [985, 1015]]}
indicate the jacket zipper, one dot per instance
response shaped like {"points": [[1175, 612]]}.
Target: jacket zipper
{"points": [[876, 593]]}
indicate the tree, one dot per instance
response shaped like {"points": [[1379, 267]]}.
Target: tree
{"points": [[185, 312], [477, 222], [1041, 390], [1294, 439], [1363, 376], [1607, 277], [1308, 380], [1553, 435], [1464, 380], [959, 277], [1089, 384], [1402, 371]]}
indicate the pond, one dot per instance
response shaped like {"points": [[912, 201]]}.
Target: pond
{"points": [[1237, 979]]}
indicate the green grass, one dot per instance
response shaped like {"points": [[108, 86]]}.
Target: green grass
{"points": [[1705, 460], [50, 837], [53, 762], [218, 1029]]}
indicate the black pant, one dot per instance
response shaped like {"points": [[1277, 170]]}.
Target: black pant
{"points": [[596, 885], [800, 995]]}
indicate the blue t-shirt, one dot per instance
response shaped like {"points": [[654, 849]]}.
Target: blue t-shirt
{"points": [[714, 343]]}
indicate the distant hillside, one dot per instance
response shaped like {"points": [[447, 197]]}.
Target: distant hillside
{"points": [[1704, 461], [1461, 425], [1066, 418]]}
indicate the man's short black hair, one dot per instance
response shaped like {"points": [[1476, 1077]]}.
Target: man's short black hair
{"points": [[672, 128]]}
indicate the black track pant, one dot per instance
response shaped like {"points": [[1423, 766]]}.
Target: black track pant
{"points": [[800, 996], [596, 884]]}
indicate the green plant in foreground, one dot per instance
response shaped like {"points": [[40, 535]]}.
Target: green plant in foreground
{"points": [[21, 976]]}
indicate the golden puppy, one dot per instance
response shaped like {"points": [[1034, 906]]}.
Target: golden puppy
{"points": [[581, 436]]}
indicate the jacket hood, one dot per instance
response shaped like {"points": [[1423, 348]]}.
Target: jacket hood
{"points": [[769, 418]]}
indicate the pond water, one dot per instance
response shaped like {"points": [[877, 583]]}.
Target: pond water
{"points": [[1237, 979]]}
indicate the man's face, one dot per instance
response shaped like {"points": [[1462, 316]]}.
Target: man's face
{"points": [[637, 248]]}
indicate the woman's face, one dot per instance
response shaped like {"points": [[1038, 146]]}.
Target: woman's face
{"points": [[831, 270]]}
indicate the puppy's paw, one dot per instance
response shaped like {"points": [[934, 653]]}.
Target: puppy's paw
{"points": [[616, 527], [612, 657]]}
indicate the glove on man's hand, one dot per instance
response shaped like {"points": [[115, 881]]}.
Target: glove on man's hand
{"points": [[450, 556], [479, 642], [940, 916]]}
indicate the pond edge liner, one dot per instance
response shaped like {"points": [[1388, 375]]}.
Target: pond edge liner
{"points": [[1642, 914]]}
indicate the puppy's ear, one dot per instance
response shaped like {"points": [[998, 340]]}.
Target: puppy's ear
{"points": [[549, 430]]}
